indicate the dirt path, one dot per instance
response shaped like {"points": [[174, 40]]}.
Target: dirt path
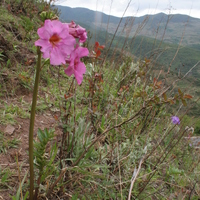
{"points": [[8, 159]]}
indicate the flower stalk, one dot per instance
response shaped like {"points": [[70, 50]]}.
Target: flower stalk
{"points": [[32, 121]]}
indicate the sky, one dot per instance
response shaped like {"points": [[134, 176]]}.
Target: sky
{"points": [[137, 7]]}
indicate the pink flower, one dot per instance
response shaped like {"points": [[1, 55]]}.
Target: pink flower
{"points": [[55, 41], [77, 31], [77, 67], [72, 24]]}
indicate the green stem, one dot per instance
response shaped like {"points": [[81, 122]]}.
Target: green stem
{"points": [[32, 120]]}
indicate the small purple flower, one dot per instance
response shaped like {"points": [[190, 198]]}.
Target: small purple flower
{"points": [[175, 120]]}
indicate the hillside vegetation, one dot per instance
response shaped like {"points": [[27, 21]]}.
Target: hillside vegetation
{"points": [[112, 136], [158, 37]]}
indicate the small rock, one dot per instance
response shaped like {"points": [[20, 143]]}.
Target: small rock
{"points": [[9, 129]]}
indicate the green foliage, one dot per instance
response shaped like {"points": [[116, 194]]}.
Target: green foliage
{"points": [[119, 116], [41, 160], [1, 56], [7, 143], [18, 195], [10, 112], [5, 178], [197, 127], [27, 24], [48, 15]]}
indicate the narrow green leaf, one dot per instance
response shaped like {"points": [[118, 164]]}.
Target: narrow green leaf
{"points": [[165, 96], [102, 122], [184, 102], [4, 178]]}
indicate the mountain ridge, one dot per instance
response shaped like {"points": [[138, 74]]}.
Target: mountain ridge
{"points": [[150, 25], [157, 14]]}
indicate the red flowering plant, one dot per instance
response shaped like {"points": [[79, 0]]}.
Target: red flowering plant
{"points": [[97, 50], [96, 76]]}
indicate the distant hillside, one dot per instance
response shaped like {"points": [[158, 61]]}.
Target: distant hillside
{"points": [[143, 44], [149, 25]]}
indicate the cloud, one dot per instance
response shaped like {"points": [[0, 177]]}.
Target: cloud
{"points": [[138, 7]]}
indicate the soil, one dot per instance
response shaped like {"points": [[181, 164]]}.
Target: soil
{"points": [[21, 131]]}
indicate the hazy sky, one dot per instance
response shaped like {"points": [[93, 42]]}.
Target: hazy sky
{"points": [[137, 7]]}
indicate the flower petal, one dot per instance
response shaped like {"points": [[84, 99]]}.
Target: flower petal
{"points": [[79, 78], [78, 73], [58, 51], [81, 69], [43, 43], [67, 44], [69, 71], [82, 51], [56, 57], [175, 120], [43, 33]]}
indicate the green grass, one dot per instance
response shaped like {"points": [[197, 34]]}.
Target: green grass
{"points": [[116, 119], [9, 113], [5, 175], [6, 143]]}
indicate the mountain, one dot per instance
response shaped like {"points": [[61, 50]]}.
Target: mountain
{"points": [[150, 36], [156, 26]]}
